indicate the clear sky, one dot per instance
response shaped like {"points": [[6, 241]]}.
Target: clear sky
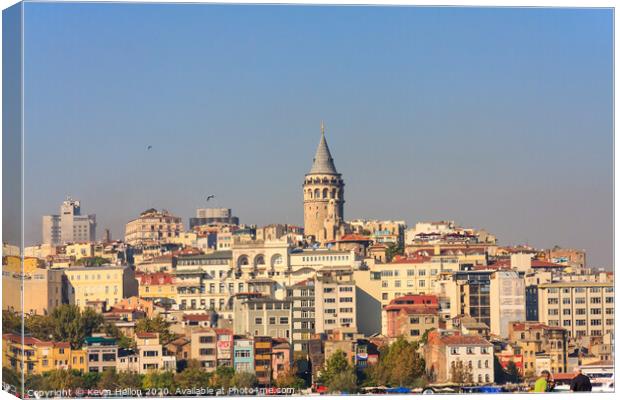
{"points": [[496, 118]]}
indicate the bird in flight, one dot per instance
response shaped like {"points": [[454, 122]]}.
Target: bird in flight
{"points": [[149, 147], [211, 196]]}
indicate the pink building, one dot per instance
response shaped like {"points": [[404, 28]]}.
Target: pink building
{"points": [[280, 357]]}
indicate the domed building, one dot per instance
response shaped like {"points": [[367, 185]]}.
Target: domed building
{"points": [[323, 196]]}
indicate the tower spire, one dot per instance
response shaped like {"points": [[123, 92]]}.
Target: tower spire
{"points": [[323, 163]]}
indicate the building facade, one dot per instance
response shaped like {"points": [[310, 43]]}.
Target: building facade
{"points": [[69, 226]]}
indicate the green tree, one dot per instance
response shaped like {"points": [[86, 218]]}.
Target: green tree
{"points": [[290, 379], [108, 379], [193, 376], [11, 322], [62, 379], [338, 374], [12, 378], [72, 325], [223, 376], [343, 382], [159, 380], [129, 380], [334, 365], [400, 364], [156, 325], [393, 250], [244, 380], [39, 326], [92, 261]]}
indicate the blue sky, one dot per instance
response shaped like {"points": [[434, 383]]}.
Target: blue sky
{"points": [[495, 118]]}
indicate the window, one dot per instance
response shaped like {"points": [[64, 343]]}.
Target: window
{"points": [[206, 339], [272, 320], [414, 332], [552, 301], [258, 321], [283, 320], [454, 350]]}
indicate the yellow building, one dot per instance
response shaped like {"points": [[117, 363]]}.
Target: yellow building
{"points": [[35, 356], [109, 283], [80, 250], [157, 285], [42, 287]]}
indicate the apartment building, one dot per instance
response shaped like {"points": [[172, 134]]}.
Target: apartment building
{"points": [[281, 358], [444, 352], [33, 356], [153, 227], [263, 316], [301, 295], [108, 283], [70, 226], [262, 359], [204, 348], [582, 308], [243, 354], [150, 351], [225, 345], [335, 299], [409, 276], [411, 316], [507, 295], [101, 353], [534, 339], [46, 283], [157, 285]]}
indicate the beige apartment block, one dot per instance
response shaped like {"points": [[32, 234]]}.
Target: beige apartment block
{"points": [[42, 286], [335, 300], [154, 227], [109, 283], [582, 308]]}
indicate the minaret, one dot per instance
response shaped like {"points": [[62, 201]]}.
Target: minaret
{"points": [[323, 195]]}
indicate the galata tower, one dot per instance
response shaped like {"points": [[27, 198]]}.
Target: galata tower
{"points": [[323, 196]]}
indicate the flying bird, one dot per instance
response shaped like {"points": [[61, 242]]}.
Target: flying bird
{"points": [[211, 196], [149, 147]]}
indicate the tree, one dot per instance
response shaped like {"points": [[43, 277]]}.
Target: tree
{"points": [[192, 377], [60, 379], [159, 380], [244, 380], [400, 364], [72, 325], [156, 325], [343, 382], [290, 379], [108, 380], [39, 326], [512, 372], [129, 380], [393, 250], [461, 373], [338, 374], [222, 378], [11, 322], [92, 261]]}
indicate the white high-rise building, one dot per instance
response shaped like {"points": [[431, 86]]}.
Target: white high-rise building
{"points": [[70, 226]]}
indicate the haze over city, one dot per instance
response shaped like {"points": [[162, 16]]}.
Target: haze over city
{"points": [[498, 119]]}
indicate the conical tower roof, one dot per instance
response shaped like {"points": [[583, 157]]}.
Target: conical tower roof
{"points": [[323, 162]]}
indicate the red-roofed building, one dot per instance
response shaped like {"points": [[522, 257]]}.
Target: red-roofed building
{"points": [[456, 358], [411, 316]]}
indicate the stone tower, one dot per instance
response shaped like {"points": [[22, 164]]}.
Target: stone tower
{"points": [[323, 196]]}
